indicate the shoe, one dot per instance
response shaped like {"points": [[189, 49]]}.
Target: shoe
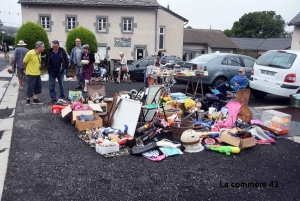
{"points": [[28, 103], [53, 101], [79, 87], [36, 102], [21, 88], [117, 82], [85, 89]]}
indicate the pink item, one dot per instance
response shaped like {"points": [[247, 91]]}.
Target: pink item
{"points": [[157, 159], [256, 121], [78, 106], [209, 141]]}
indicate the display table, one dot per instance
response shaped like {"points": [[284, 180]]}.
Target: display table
{"points": [[194, 88]]}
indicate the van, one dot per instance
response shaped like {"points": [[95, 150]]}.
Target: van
{"points": [[276, 72]]}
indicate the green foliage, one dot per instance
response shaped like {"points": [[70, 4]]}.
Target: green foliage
{"points": [[227, 32], [85, 35], [9, 40], [263, 24], [31, 33]]}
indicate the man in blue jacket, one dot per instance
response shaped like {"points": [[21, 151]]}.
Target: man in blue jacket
{"points": [[237, 82], [75, 59]]}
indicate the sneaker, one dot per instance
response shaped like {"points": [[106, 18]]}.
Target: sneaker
{"points": [[79, 87], [85, 89], [28, 103], [53, 101], [36, 102], [20, 88]]}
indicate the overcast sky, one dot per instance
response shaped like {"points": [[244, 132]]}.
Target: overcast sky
{"points": [[219, 14]]}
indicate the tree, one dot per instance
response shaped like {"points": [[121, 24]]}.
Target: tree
{"points": [[85, 35], [263, 24], [227, 32], [31, 33], [10, 40], [189, 27]]}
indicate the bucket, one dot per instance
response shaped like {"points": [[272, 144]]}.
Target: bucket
{"points": [[200, 115]]}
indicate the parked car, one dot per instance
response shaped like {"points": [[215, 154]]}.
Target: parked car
{"points": [[221, 67], [11, 47], [136, 69], [276, 72]]}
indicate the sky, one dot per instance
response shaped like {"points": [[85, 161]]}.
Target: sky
{"points": [[202, 14]]}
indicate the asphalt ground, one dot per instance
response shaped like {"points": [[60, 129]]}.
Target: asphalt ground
{"points": [[48, 161]]}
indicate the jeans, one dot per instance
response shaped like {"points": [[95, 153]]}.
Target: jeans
{"points": [[224, 87], [79, 74], [60, 78]]}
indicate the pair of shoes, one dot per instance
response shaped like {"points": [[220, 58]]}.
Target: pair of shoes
{"points": [[21, 88], [54, 101], [85, 89], [79, 87], [28, 103], [36, 102]]}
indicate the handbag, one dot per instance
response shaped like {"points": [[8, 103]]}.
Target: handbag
{"points": [[124, 69]]}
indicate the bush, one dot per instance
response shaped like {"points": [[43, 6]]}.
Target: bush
{"points": [[86, 37], [31, 33]]}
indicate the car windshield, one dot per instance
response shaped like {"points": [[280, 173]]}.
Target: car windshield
{"points": [[137, 61], [204, 58], [277, 59]]}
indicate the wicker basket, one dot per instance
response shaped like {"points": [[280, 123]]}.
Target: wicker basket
{"points": [[177, 131]]}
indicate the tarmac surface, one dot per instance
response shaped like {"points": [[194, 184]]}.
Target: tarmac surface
{"points": [[47, 161]]}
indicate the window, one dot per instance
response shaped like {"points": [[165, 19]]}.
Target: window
{"points": [[71, 23], [277, 59], [102, 24], [127, 25], [233, 61], [161, 38], [248, 62], [204, 58], [225, 61], [146, 62], [45, 22]]}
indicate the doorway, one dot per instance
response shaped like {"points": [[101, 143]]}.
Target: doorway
{"points": [[139, 53]]}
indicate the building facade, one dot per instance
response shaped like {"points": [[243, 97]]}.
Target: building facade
{"points": [[296, 33], [137, 28]]}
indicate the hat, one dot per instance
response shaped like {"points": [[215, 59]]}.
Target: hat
{"points": [[242, 69], [21, 43]]}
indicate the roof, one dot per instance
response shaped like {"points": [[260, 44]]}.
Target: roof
{"points": [[124, 3], [214, 38], [172, 13], [295, 20], [263, 44]]}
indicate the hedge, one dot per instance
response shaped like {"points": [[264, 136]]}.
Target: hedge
{"points": [[30, 33], [85, 35]]}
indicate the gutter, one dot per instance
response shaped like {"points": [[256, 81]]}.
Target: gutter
{"points": [[156, 10]]}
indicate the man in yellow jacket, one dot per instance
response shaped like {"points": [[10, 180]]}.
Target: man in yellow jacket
{"points": [[32, 62]]}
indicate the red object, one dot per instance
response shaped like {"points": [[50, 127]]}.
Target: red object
{"points": [[123, 140], [252, 73], [290, 78], [56, 109]]}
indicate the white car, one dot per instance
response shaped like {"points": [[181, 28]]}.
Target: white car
{"points": [[276, 72]]}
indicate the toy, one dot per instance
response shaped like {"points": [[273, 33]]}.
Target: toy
{"points": [[56, 109], [223, 149]]}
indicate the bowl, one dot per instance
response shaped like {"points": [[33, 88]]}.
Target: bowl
{"points": [[84, 62]]}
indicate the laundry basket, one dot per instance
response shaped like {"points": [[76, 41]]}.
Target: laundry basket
{"points": [[177, 131]]}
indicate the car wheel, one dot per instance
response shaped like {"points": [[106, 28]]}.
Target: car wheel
{"points": [[258, 94], [218, 81]]}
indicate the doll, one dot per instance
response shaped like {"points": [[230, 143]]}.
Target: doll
{"points": [[190, 105]]}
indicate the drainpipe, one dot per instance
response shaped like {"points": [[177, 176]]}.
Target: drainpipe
{"points": [[156, 29]]}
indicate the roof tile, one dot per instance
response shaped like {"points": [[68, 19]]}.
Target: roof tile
{"points": [[295, 20], [263, 44]]}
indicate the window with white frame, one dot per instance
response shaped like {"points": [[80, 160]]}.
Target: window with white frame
{"points": [[71, 23], [102, 24], [45, 22], [161, 38], [127, 25]]}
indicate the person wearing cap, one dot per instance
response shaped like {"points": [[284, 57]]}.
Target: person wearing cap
{"points": [[87, 69], [56, 61], [124, 68], [32, 63], [19, 55], [237, 82]]}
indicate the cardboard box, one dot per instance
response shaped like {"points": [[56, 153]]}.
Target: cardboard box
{"points": [[107, 150], [235, 141], [75, 114], [103, 107], [168, 113], [81, 126]]}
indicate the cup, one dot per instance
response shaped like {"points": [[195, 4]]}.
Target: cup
{"points": [[200, 115], [211, 110]]}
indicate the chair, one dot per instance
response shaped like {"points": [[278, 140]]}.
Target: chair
{"points": [[233, 93], [154, 104]]}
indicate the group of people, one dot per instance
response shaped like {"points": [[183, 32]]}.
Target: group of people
{"points": [[28, 64]]}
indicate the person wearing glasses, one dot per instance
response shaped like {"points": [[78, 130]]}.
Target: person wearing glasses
{"points": [[237, 82], [32, 63], [56, 61]]}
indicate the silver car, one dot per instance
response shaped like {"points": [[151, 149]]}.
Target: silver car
{"points": [[221, 67]]}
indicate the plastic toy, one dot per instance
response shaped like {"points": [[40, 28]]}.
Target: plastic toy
{"points": [[223, 149]]}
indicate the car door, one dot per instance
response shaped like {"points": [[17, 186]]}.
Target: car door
{"points": [[141, 66], [233, 66], [248, 63]]}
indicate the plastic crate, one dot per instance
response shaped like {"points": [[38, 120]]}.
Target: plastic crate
{"points": [[278, 122], [295, 100]]}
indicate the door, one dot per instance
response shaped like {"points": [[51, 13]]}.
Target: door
{"points": [[139, 53], [233, 66]]}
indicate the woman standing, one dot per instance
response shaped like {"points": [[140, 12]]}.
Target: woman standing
{"points": [[87, 69], [124, 68]]}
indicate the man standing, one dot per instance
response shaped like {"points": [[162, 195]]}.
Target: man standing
{"points": [[75, 59], [56, 62], [5, 49], [19, 55], [32, 62]]}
